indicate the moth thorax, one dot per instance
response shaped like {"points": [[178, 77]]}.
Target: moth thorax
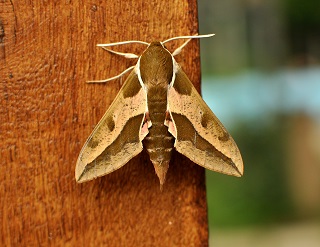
{"points": [[156, 64]]}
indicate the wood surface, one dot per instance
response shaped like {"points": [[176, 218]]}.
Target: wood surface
{"points": [[47, 52]]}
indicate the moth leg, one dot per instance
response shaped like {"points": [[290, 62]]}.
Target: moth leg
{"points": [[147, 119], [170, 124], [146, 124], [126, 55], [167, 119], [113, 78]]}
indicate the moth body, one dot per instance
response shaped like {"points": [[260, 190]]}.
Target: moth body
{"points": [[159, 142], [158, 109]]}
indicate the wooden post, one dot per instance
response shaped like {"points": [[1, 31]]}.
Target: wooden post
{"points": [[47, 52]]}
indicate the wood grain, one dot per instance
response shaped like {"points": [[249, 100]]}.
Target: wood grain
{"points": [[47, 52]]}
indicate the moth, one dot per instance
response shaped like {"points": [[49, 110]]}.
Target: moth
{"points": [[158, 109]]}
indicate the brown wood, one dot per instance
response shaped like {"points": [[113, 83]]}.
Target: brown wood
{"points": [[47, 52]]}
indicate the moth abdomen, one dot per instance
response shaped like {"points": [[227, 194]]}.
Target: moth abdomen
{"points": [[159, 146], [159, 142]]}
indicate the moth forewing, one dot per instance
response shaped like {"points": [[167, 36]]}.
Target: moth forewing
{"points": [[117, 137], [200, 136]]}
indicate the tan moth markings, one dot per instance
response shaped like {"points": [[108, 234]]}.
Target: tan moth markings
{"points": [[102, 137], [225, 137], [188, 128], [122, 149], [128, 135], [208, 121], [132, 88], [110, 123], [182, 89], [93, 143], [200, 116], [223, 154], [199, 142], [205, 118]]}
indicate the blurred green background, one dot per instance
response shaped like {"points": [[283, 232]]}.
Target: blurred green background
{"points": [[261, 77]]}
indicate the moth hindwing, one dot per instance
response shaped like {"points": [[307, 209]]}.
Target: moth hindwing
{"points": [[158, 109]]}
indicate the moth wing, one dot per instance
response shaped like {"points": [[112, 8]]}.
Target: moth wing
{"points": [[118, 135], [199, 134]]}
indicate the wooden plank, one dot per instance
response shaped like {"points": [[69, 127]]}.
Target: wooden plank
{"points": [[47, 52]]}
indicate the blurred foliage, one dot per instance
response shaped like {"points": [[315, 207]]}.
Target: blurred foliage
{"points": [[303, 24], [259, 36], [264, 35], [303, 14], [261, 195]]}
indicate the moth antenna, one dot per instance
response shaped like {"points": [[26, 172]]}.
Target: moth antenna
{"points": [[196, 36], [113, 78], [124, 54], [123, 43]]}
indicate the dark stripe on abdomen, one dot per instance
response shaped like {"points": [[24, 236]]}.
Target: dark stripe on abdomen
{"points": [[159, 142]]}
